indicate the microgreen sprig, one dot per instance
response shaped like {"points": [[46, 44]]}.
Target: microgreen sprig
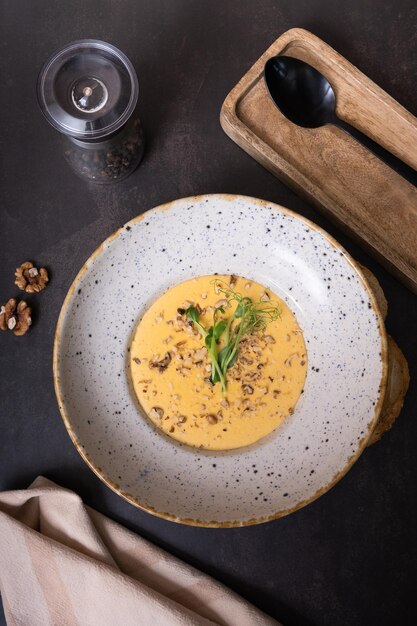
{"points": [[250, 316]]}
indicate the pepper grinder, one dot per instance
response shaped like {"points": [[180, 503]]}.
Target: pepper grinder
{"points": [[88, 90]]}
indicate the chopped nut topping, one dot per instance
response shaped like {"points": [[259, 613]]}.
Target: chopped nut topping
{"points": [[288, 361], [225, 403], [156, 412], [212, 419], [248, 286], [208, 368], [264, 390], [233, 281], [221, 303], [182, 419], [253, 375], [15, 317], [276, 393], [265, 297], [247, 389], [30, 279], [159, 318], [269, 339], [204, 295], [176, 397], [202, 407], [249, 408], [172, 429], [167, 339], [137, 360], [291, 411], [200, 353], [162, 364], [287, 337]]}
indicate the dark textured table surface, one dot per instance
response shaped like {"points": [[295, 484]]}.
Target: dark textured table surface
{"points": [[350, 558]]}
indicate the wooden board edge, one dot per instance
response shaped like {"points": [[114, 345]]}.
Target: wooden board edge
{"points": [[397, 387]]}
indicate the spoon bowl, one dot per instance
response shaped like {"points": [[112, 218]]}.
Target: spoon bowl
{"points": [[301, 93]]}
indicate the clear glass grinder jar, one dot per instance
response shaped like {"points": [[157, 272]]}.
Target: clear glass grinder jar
{"points": [[88, 90]]}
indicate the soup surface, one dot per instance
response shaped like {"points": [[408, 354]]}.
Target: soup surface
{"points": [[172, 369]]}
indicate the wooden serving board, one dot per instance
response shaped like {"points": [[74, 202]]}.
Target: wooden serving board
{"points": [[398, 379], [325, 165]]}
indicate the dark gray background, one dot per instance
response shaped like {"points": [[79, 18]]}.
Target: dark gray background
{"points": [[349, 558]]}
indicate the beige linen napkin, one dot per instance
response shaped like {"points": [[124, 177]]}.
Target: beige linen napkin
{"points": [[63, 563]]}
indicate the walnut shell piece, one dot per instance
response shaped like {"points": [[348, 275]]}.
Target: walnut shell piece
{"points": [[15, 317], [30, 279]]}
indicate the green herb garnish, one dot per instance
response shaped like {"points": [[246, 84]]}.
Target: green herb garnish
{"points": [[250, 316]]}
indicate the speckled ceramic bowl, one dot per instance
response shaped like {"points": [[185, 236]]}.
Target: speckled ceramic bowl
{"points": [[345, 340]]}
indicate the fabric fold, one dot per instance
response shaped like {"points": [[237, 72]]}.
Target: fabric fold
{"points": [[63, 563]]}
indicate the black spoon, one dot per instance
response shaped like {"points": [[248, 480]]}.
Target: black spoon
{"points": [[307, 98]]}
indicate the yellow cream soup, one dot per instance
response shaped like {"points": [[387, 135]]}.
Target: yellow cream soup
{"points": [[170, 368]]}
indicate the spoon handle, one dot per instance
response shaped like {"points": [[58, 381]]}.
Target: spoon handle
{"points": [[387, 157]]}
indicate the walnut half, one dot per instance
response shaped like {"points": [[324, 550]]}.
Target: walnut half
{"points": [[15, 317], [30, 279]]}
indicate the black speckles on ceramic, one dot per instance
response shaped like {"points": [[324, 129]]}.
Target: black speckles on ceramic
{"points": [[344, 337]]}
